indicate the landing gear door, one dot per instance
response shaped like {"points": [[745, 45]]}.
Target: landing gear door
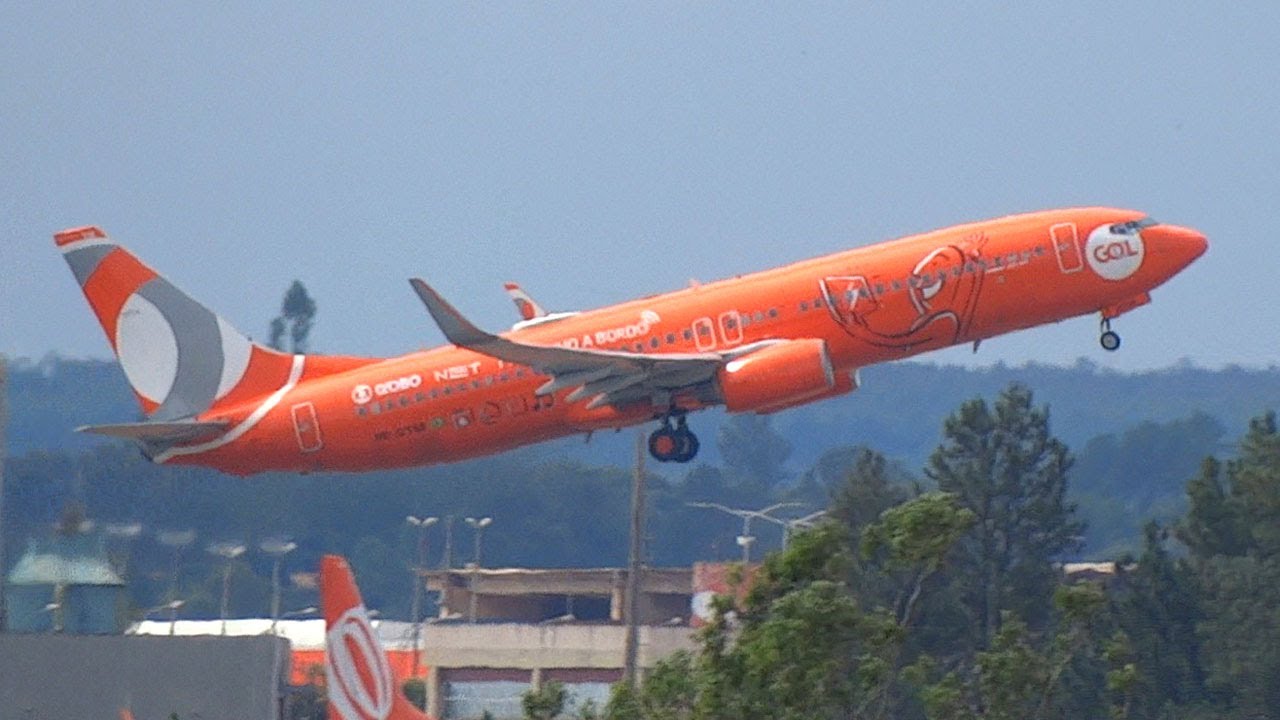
{"points": [[1066, 245], [306, 427]]}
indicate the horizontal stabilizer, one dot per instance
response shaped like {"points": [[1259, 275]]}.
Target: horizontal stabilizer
{"points": [[159, 434]]}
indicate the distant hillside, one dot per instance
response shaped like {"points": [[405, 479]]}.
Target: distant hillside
{"points": [[898, 410], [1137, 437]]}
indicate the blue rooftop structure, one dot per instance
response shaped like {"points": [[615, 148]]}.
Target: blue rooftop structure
{"points": [[65, 585]]}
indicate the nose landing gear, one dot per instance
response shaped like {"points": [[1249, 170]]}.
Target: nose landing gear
{"points": [[673, 444], [1110, 340]]}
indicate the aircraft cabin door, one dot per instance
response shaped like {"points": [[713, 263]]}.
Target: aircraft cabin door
{"points": [[704, 334], [730, 327], [306, 427], [1066, 245]]}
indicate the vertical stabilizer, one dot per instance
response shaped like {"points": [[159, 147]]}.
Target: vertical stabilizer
{"points": [[357, 672], [180, 358]]}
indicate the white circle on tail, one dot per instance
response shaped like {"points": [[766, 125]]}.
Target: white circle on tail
{"points": [[351, 645], [147, 348], [1114, 256], [236, 350]]}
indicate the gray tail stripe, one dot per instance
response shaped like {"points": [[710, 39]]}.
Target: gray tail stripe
{"points": [[85, 260], [200, 356]]}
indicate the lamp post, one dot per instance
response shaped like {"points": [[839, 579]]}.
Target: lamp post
{"points": [[745, 539], [478, 525], [172, 606], [300, 612], [178, 540], [277, 548], [415, 609], [789, 525], [228, 551], [125, 532]]}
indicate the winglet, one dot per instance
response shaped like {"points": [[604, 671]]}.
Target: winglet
{"points": [[528, 308], [456, 328]]}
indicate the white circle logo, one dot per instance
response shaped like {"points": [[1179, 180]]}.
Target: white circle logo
{"points": [[361, 394], [1114, 256], [353, 661]]}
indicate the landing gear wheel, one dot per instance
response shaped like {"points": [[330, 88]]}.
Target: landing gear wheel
{"points": [[1109, 340], [664, 444], [689, 446], [673, 444]]}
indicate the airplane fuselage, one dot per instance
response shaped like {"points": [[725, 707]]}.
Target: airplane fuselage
{"points": [[872, 304]]}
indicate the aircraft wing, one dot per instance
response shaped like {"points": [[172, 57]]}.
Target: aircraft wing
{"points": [[608, 377]]}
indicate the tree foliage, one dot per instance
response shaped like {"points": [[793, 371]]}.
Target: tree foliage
{"points": [[296, 318], [1004, 465]]}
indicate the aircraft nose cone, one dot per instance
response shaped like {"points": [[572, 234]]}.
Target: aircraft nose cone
{"points": [[1182, 243]]}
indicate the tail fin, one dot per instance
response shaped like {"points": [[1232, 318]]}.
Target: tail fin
{"points": [[180, 357], [525, 305], [357, 672]]}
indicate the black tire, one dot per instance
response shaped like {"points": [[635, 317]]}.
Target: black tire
{"points": [[1110, 341], [689, 447]]}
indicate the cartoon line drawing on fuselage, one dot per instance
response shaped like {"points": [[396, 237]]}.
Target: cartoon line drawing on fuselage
{"points": [[933, 307]]}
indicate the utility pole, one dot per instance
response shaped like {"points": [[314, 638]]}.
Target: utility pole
{"points": [[478, 525], [634, 567], [419, 577], [4, 419]]}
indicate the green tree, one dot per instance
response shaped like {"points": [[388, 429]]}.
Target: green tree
{"points": [[1018, 678], [297, 315], [1004, 465], [1156, 605], [545, 702], [753, 450]]}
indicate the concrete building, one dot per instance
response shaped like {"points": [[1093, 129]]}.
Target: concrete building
{"points": [[535, 626], [96, 676]]}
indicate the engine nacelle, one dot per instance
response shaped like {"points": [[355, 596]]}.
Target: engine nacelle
{"points": [[782, 376]]}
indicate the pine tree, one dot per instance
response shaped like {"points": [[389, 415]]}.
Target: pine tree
{"points": [[1003, 464]]}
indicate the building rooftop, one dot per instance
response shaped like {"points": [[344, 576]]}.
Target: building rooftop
{"points": [[64, 561]]}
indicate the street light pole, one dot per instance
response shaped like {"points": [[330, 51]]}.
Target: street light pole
{"points": [[478, 525], [746, 539], [228, 551], [277, 548], [789, 526], [176, 539], [416, 607]]}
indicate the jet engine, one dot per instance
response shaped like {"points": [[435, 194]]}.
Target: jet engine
{"points": [[782, 376]]}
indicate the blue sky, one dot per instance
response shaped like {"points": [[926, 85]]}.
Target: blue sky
{"points": [[599, 151]]}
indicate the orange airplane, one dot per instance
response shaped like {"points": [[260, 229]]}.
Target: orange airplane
{"points": [[759, 343], [358, 678]]}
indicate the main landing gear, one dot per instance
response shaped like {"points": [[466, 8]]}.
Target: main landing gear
{"points": [[1110, 340], [673, 444]]}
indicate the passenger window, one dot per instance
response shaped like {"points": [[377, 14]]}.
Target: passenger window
{"points": [[671, 338], [804, 306], [653, 343], [773, 312]]}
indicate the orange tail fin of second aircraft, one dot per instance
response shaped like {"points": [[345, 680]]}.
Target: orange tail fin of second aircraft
{"points": [[358, 675], [181, 358]]}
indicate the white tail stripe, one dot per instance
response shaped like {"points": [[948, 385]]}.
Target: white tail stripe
{"points": [[295, 374], [348, 693]]}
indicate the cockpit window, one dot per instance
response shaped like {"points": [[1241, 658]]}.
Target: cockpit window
{"points": [[1132, 227]]}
